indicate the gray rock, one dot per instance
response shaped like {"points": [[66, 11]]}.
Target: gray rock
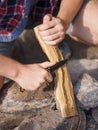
{"points": [[73, 123], [91, 124], [95, 114], [46, 119], [52, 120], [10, 121], [28, 124], [86, 91], [13, 101], [77, 67]]}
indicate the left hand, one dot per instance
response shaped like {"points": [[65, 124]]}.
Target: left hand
{"points": [[52, 30]]}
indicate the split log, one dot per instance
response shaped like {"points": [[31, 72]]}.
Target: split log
{"points": [[64, 90]]}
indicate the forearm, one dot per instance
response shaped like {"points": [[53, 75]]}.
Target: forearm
{"points": [[68, 10], [9, 68]]}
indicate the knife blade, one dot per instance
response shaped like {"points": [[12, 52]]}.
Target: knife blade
{"points": [[57, 66]]}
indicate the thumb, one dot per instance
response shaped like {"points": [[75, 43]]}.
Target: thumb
{"points": [[47, 18], [47, 64]]}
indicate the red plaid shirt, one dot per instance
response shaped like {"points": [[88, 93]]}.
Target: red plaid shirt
{"points": [[14, 15]]}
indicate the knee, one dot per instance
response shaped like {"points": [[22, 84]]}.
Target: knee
{"points": [[88, 33], [85, 38], [85, 26], [93, 38], [95, 41]]}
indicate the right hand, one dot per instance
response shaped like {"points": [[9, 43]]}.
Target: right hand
{"points": [[34, 76], [52, 31]]}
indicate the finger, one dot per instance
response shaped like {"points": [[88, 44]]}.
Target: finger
{"points": [[47, 64], [48, 32], [55, 22], [45, 84], [50, 24], [54, 42], [46, 26], [49, 77], [47, 18], [53, 37]]}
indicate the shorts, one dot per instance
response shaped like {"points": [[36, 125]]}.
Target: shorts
{"points": [[6, 48]]}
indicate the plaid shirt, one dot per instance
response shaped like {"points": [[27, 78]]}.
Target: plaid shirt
{"points": [[15, 13]]}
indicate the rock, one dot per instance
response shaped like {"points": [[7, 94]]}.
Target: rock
{"points": [[46, 119], [95, 114], [77, 67], [13, 101], [28, 124], [10, 121], [72, 123], [86, 91], [91, 124]]}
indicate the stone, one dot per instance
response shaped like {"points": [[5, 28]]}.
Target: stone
{"points": [[86, 92], [91, 124], [10, 121], [77, 67], [13, 101], [95, 114], [47, 119], [73, 123], [28, 124]]}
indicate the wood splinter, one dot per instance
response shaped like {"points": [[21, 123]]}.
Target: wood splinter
{"points": [[64, 90]]}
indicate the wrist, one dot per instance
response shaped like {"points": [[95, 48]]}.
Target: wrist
{"points": [[64, 21], [17, 72], [10, 70]]}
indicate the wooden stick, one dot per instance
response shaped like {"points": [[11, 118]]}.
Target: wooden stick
{"points": [[64, 90]]}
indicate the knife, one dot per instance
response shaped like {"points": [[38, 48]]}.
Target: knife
{"points": [[57, 66]]}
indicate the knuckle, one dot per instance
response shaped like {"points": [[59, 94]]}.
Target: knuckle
{"points": [[58, 20], [51, 38], [62, 38], [61, 28], [39, 84], [62, 35], [48, 33], [51, 79], [42, 81], [47, 25], [54, 42], [45, 73]]}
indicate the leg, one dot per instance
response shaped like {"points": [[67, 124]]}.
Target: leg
{"points": [[85, 26]]}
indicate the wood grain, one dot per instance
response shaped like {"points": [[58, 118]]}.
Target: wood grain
{"points": [[64, 90]]}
